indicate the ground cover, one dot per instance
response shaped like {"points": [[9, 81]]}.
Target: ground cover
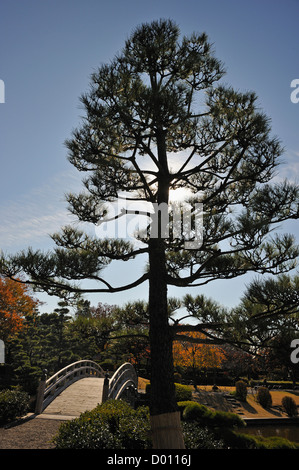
{"points": [[224, 400], [37, 433]]}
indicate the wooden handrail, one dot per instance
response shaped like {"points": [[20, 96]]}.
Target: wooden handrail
{"points": [[50, 388], [125, 378], [121, 379], [75, 366]]}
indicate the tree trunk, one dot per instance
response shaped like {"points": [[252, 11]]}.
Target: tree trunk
{"points": [[166, 431], [165, 420]]}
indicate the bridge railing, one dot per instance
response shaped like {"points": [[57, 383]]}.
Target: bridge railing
{"points": [[124, 378], [50, 388]]}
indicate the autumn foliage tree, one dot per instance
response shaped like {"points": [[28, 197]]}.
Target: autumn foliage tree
{"points": [[16, 303], [197, 355]]}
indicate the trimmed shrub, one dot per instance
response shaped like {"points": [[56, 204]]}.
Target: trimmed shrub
{"points": [[182, 392], [236, 440], [264, 397], [13, 404], [199, 437], [289, 405], [207, 429], [111, 425], [193, 411], [177, 377], [115, 425], [274, 442], [183, 404], [79, 434], [196, 412], [241, 390], [227, 419]]}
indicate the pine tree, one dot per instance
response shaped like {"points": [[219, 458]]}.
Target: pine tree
{"points": [[157, 118]]}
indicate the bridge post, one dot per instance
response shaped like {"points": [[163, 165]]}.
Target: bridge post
{"points": [[40, 393], [105, 388]]}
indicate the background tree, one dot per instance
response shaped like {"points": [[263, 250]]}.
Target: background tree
{"points": [[238, 363], [24, 352], [156, 120], [269, 313], [44, 342], [16, 304], [131, 336], [197, 356], [56, 334], [91, 328], [268, 310], [277, 357]]}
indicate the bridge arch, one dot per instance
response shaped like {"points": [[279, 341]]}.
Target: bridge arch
{"points": [[50, 388], [123, 381], [125, 377]]}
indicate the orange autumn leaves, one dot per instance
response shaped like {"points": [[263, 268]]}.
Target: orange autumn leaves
{"points": [[197, 355], [15, 304]]}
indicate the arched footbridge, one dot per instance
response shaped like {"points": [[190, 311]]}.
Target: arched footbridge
{"points": [[81, 386]]}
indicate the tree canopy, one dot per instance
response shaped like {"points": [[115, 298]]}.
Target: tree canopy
{"points": [[158, 118], [157, 102], [16, 304]]}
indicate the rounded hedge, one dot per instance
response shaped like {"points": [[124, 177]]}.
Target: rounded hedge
{"points": [[111, 425], [289, 405], [182, 392], [116, 425], [193, 411], [13, 404], [241, 390], [264, 397]]}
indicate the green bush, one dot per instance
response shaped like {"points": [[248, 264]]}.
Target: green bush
{"points": [[245, 441], [264, 397], [115, 425], [79, 434], [207, 429], [182, 405], [107, 365], [196, 412], [193, 411], [241, 390], [182, 392], [111, 425], [177, 377], [289, 405], [13, 404], [227, 419], [200, 437]]}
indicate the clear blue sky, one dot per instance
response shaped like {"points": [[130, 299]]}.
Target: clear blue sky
{"points": [[48, 49]]}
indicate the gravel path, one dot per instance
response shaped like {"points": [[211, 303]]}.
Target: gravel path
{"points": [[29, 434]]}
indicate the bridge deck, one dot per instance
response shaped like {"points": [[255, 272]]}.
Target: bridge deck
{"points": [[83, 395]]}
